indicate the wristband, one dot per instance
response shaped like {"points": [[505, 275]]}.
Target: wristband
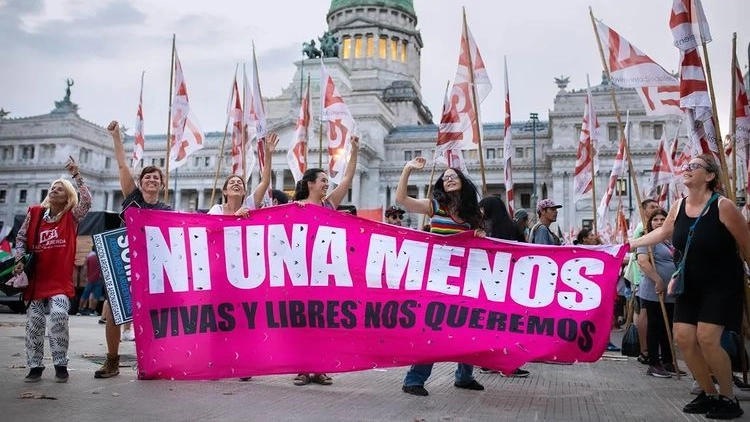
{"points": [[75, 175]]}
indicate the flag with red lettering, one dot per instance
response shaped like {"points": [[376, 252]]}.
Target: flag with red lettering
{"points": [[688, 24], [186, 136], [341, 126], [297, 153], [507, 147], [139, 144], [696, 103], [457, 129], [629, 67], [588, 144], [234, 119], [742, 124]]}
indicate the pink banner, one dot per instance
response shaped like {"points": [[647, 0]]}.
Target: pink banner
{"points": [[304, 289]]}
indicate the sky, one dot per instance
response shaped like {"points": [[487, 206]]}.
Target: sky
{"points": [[105, 45]]}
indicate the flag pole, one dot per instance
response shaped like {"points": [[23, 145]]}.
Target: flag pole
{"points": [[320, 122], [476, 124], [223, 140], [633, 178], [243, 130], [307, 146], [719, 142], [169, 124], [592, 125], [732, 136]]}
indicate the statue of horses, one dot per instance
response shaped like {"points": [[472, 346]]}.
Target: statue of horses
{"points": [[310, 50]]}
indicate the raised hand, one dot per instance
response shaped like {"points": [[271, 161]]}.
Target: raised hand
{"points": [[270, 143], [417, 163], [71, 166]]}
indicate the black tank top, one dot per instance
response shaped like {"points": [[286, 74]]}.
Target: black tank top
{"points": [[712, 261]]}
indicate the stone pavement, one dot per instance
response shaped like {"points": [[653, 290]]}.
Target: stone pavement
{"points": [[613, 389]]}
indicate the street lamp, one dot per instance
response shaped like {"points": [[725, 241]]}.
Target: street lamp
{"points": [[534, 118]]}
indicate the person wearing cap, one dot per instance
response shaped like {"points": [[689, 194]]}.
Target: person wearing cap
{"points": [[521, 217], [394, 215], [546, 211]]}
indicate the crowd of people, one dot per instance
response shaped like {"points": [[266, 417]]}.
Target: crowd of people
{"points": [[710, 302]]}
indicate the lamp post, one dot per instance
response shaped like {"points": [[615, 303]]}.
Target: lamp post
{"points": [[534, 117]]}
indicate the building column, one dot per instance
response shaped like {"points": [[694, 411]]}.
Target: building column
{"points": [[279, 182], [110, 200], [356, 183], [255, 179], [178, 200], [201, 198]]}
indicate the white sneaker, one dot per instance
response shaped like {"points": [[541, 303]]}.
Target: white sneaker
{"points": [[695, 388], [127, 335]]}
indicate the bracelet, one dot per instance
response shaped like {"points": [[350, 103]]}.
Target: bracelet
{"points": [[75, 175]]}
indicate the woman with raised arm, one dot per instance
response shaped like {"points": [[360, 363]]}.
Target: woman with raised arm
{"points": [[145, 194], [713, 291], [234, 189], [50, 232], [313, 186], [312, 189], [453, 208]]}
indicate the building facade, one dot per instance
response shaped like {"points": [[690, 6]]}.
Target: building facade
{"points": [[377, 71]]}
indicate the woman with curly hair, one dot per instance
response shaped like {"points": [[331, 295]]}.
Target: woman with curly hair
{"points": [[453, 208]]}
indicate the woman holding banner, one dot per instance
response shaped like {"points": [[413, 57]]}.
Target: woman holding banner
{"points": [[50, 232], [234, 189], [145, 194], [453, 208], [312, 189], [713, 293]]}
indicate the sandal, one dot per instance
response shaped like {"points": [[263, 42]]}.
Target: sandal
{"points": [[302, 379], [322, 379]]}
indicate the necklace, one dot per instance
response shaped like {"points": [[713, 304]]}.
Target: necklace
{"points": [[48, 217]]}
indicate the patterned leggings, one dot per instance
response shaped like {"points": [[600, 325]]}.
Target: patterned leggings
{"points": [[58, 334]]}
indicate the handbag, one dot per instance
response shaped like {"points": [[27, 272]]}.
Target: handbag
{"points": [[678, 277], [631, 345], [9, 283]]}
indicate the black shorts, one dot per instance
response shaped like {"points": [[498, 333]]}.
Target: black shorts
{"points": [[720, 307]]}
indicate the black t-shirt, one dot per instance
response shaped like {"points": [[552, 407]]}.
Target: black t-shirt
{"points": [[135, 199]]}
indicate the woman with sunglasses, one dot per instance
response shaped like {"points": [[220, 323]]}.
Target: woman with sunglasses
{"points": [[453, 208], [713, 293]]}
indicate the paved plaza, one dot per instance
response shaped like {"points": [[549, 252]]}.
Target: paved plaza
{"points": [[612, 389]]}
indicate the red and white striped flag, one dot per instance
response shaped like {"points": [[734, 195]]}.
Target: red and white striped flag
{"points": [[618, 170], [139, 144], [583, 177], [508, 148], [186, 137], [661, 173], [696, 104], [688, 24], [456, 130], [341, 126], [660, 100], [452, 158], [677, 188], [234, 118], [297, 153], [248, 124], [742, 107], [259, 118]]}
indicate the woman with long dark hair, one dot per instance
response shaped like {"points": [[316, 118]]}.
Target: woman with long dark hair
{"points": [[496, 220], [453, 208]]}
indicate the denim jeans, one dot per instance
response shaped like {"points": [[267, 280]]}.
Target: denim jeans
{"points": [[418, 374]]}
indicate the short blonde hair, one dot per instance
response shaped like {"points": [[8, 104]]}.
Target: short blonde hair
{"points": [[72, 201]]}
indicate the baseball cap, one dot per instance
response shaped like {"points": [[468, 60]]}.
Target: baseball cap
{"points": [[546, 203], [394, 210], [520, 214]]}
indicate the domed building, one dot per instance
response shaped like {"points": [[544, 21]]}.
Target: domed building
{"points": [[377, 70]]}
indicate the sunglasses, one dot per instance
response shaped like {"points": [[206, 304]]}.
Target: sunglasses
{"points": [[396, 217], [449, 177], [693, 166]]}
